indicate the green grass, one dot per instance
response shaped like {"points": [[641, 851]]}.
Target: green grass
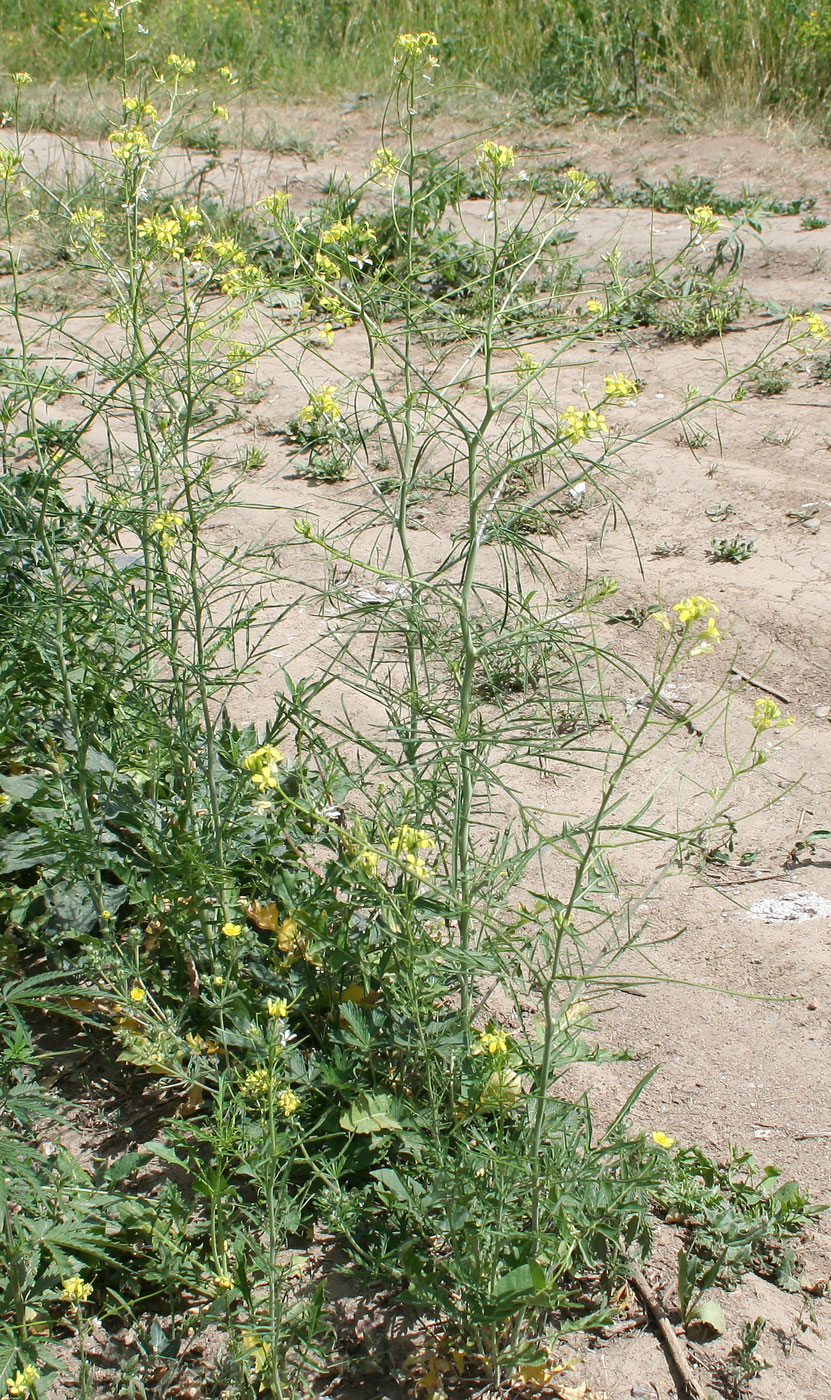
{"points": [[570, 54]]}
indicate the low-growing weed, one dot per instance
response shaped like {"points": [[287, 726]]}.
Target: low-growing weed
{"points": [[733, 551], [768, 379]]}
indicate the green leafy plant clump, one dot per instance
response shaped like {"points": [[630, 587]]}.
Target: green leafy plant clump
{"points": [[327, 951]]}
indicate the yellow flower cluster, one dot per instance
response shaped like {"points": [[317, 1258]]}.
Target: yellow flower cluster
{"points": [[130, 144], [74, 1290], [594, 306], [767, 715], [620, 386], [415, 45], [322, 404], [167, 233], [703, 220], [346, 230], [181, 67], [581, 423], [336, 308], [407, 842], [135, 107], [10, 163], [383, 165], [261, 765], [578, 183], [492, 156], [20, 80], [816, 326], [277, 1006], [87, 218], [23, 1383], [167, 526], [690, 611], [491, 1043], [256, 1084], [288, 1102], [276, 204]]}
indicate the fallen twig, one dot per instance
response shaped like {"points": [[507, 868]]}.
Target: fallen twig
{"points": [[768, 689], [688, 1387], [803, 1137]]}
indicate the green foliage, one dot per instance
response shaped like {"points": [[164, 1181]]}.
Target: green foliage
{"points": [[733, 551], [742, 1364], [292, 935]]}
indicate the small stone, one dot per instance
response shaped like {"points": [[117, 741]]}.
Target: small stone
{"points": [[812, 1006], [822, 711]]}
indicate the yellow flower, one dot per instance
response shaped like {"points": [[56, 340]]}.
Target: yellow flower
{"points": [[130, 144], [692, 609], [322, 404], [415, 44], [288, 1102], [182, 67], [383, 165], [223, 1281], [767, 715], [166, 526], [327, 333], [663, 619], [491, 1043], [368, 862], [137, 994], [20, 80], [703, 220], [661, 1140], [816, 326], [256, 1084], [10, 163], [493, 158], [410, 838], [578, 183], [23, 1383], [261, 764], [579, 424], [226, 73], [277, 1006], [276, 204], [232, 930], [74, 1290], [620, 386], [594, 306]]}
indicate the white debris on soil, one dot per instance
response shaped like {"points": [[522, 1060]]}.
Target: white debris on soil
{"points": [[793, 907]]}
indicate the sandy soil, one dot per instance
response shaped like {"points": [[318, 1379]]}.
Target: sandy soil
{"points": [[742, 1030]]}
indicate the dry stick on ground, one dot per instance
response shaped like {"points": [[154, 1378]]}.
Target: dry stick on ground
{"points": [[768, 689], [688, 1387]]}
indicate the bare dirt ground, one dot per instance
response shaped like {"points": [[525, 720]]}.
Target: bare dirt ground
{"points": [[742, 1031]]}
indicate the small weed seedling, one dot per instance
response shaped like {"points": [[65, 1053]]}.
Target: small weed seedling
{"points": [[669, 549], [742, 1364], [720, 510], [812, 221], [779, 437], [767, 380], [730, 551]]}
